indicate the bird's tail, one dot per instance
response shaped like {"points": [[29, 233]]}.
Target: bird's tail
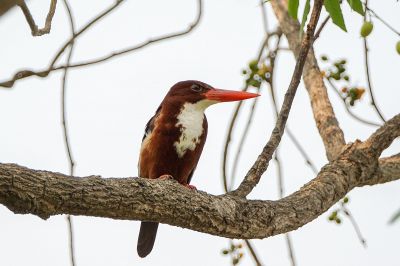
{"points": [[147, 236]]}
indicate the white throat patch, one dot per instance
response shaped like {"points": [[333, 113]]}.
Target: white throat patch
{"points": [[190, 120]]}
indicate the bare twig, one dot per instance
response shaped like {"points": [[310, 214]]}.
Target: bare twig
{"points": [[272, 57], [252, 252], [253, 176], [247, 127], [241, 142], [281, 190], [349, 111], [71, 239], [318, 32], [302, 151], [289, 244], [373, 102], [233, 122], [31, 22], [276, 111], [44, 73], [383, 21], [367, 72], [264, 16], [353, 221], [65, 128], [274, 99]]}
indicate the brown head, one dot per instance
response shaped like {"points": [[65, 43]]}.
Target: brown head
{"points": [[193, 91]]}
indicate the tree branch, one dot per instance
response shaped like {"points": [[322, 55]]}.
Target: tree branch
{"points": [[327, 124], [44, 73], [44, 194], [68, 150], [259, 167], [31, 22]]}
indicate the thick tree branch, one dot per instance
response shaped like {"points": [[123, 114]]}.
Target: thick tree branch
{"points": [[390, 169], [384, 136], [324, 116], [260, 165], [44, 194]]}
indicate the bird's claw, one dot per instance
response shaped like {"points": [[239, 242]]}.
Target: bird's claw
{"points": [[191, 187], [166, 177]]}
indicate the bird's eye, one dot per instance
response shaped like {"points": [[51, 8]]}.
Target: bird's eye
{"points": [[196, 88]]}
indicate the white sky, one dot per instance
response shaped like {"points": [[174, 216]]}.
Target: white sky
{"points": [[109, 104]]}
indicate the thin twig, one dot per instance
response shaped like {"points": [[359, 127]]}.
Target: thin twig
{"points": [[302, 151], [272, 57], [383, 21], [349, 111], [264, 16], [318, 32], [253, 176], [274, 99], [242, 140], [65, 127], [71, 239], [44, 73], [281, 190], [347, 212], [233, 122], [252, 252], [367, 72], [81, 31], [31, 22], [249, 121]]}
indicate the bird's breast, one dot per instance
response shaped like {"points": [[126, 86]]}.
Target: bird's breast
{"points": [[190, 124]]}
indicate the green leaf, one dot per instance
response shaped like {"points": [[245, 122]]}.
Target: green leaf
{"points": [[333, 8], [293, 7], [305, 14], [356, 6]]}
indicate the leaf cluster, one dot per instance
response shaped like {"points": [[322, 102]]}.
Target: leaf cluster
{"points": [[256, 73], [337, 72]]}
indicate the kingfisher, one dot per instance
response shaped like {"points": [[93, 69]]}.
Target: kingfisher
{"points": [[174, 139]]}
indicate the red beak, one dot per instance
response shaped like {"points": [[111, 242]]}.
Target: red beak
{"points": [[229, 96]]}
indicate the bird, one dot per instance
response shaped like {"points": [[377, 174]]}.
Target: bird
{"points": [[174, 139]]}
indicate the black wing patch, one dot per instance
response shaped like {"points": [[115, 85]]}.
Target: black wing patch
{"points": [[149, 128], [150, 124]]}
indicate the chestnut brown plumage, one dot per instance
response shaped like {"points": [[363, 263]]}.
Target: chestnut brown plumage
{"points": [[174, 139]]}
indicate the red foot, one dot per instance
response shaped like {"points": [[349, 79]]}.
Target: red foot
{"points": [[166, 177], [191, 187]]}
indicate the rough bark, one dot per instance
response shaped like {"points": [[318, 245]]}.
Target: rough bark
{"points": [[44, 194]]}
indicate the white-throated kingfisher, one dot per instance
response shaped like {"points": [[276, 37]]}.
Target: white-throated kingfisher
{"points": [[174, 138]]}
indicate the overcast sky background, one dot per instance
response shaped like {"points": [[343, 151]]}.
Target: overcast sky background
{"points": [[109, 104]]}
